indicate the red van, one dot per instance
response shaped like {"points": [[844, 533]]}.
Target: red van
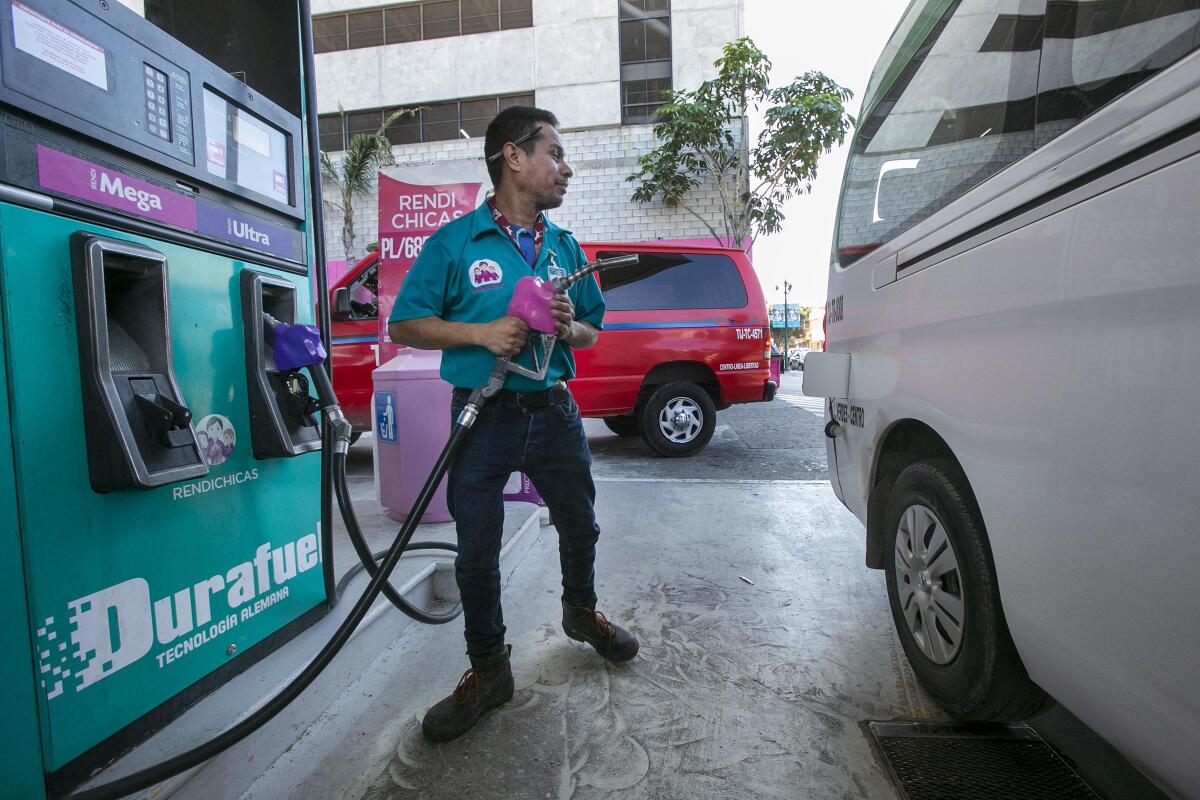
{"points": [[685, 335], [354, 331]]}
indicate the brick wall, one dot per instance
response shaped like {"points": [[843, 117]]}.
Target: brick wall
{"points": [[597, 207]]}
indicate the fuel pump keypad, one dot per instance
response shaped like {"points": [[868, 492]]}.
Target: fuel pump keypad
{"points": [[158, 114]]}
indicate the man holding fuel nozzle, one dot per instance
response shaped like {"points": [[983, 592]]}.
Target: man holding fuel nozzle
{"points": [[455, 299]]}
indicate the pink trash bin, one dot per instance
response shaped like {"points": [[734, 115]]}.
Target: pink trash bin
{"points": [[411, 426]]}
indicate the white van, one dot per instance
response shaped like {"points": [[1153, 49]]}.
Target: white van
{"points": [[1013, 361]]}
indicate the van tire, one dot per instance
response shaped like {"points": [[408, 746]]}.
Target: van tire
{"points": [[624, 426], [982, 678], [678, 398]]}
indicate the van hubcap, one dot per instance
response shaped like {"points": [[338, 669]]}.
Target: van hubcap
{"points": [[929, 584], [681, 420]]}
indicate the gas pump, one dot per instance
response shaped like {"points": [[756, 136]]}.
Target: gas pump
{"points": [[158, 480]]}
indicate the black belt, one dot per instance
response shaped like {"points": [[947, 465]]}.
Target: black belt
{"points": [[558, 393]]}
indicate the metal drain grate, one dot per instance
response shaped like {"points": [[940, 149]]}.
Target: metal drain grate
{"points": [[970, 762]]}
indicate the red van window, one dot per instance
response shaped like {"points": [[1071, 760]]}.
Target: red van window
{"points": [[673, 281], [364, 294]]}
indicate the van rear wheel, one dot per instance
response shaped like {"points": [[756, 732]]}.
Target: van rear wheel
{"points": [[678, 419], [623, 426], [945, 600]]}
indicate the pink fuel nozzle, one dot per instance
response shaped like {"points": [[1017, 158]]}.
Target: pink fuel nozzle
{"points": [[532, 295]]}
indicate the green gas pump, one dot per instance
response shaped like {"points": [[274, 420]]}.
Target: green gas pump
{"points": [[161, 516]]}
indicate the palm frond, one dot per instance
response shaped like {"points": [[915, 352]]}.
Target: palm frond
{"points": [[365, 154]]}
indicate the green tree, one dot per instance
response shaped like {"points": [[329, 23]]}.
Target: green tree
{"points": [[703, 135], [805, 312], [356, 171]]}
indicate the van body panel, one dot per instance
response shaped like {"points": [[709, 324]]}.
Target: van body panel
{"points": [[1044, 324], [730, 343], [1063, 397], [1053, 354]]}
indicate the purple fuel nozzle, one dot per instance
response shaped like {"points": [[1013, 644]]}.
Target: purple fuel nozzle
{"points": [[294, 346], [531, 303], [531, 297]]}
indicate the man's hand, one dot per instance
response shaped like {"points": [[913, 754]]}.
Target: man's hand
{"points": [[563, 311], [506, 336]]}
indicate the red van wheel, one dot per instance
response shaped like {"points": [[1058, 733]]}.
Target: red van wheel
{"points": [[678, 419]]}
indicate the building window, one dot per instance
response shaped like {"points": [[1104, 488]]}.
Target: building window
{"points": [[441, 19], [405, 130], [432, 19], [476, 114], [433, 122], [480, 16], [439, 122], [516, 14], [329, 33], [645, 57], [365, 28], [402, 24], [332, 133]]}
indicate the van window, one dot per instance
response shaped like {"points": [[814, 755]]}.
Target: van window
{"points": [[953, 106], [962, 91], [364, 290], [1093, 52], [673, 281]]}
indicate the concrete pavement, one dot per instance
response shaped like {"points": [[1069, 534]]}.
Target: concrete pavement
{"points": [[764, 643]]}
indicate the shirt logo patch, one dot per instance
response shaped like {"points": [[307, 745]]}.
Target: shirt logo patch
{"points": [[485, 272]]}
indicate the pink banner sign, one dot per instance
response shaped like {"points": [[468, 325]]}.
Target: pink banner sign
{"points": [[409, 213]]}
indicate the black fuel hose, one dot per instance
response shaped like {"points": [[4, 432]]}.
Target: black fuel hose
{"points": [[146, 778], [352, 573], [367, 559], [335, 426]]}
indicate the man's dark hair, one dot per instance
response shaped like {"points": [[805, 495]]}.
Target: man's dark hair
{"points": [[510, 125]]}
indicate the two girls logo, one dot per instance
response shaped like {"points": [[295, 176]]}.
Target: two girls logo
{"points": [[485, 272]]}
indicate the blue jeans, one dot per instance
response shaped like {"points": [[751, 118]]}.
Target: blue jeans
{"points": [[549, 446]]}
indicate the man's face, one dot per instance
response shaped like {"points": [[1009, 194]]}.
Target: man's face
{"points": [[544, 173]]}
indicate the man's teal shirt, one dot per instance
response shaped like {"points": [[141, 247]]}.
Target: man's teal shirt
{"points": [[467, 271]]}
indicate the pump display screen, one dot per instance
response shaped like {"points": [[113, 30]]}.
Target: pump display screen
{"points": [[244, 149]]}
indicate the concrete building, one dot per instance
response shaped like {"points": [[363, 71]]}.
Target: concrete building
{"points": [[599, 65]]}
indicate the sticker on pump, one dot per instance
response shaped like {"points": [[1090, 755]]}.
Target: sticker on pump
{"points": [[216, 155], [59, 46], [385, 417], [217, 439]]}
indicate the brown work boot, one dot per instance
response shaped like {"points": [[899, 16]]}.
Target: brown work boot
{"points": [[487, 684], [586, 624]]}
